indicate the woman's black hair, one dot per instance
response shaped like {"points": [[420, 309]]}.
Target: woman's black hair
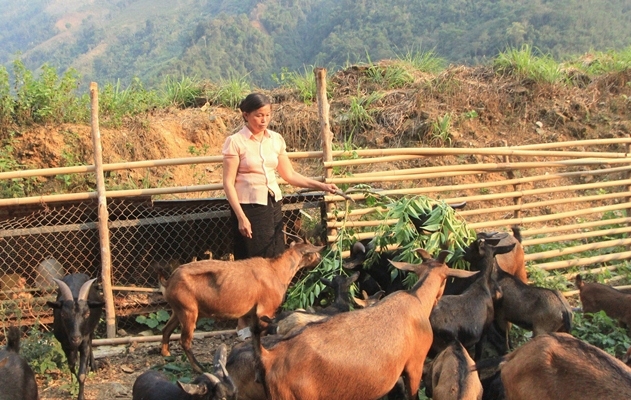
{"points": [[253, 102]]}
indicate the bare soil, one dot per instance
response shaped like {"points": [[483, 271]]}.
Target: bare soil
{"points": [[116, 374]]}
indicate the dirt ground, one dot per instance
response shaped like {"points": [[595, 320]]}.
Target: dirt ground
{"points": [[117, 373]]}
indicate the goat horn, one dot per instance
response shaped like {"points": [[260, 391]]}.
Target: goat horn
{"points": [[213, 379], [228, 380], [220, 356], [64, 290], [85, 289], [298, 238]]}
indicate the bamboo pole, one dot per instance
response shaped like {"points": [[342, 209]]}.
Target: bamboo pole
{"points": [[584, 261], [545, 203], [507, 195], [167, 162], [582, 225], [529, 220], [576, 249], [104, 233], [493, 151], [579, 143], [325, 134], [575, 236], [156, 338], [506, 165]]}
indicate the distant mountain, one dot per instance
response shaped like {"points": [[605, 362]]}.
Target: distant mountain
{"points": [[110, 40]]}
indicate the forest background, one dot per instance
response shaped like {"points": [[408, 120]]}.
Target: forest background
{"points": [[119, 40]]}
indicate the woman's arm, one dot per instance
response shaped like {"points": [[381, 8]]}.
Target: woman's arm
{"points": [[230, 167], [287, 172]]}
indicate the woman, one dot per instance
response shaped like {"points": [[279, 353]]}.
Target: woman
{"points": [[251, 158]]}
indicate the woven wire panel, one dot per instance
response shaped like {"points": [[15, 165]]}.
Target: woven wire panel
{"points": [[37, 242]]}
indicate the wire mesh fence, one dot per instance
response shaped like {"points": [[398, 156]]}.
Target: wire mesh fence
{"points": [[43, 241]]}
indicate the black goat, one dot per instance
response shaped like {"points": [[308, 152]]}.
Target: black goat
{"points": [[466, 317], [153, 385], [340, 284], [538, 309], [377, 276], [241, 366], [17, 380], [511, 262], [76, 314]]}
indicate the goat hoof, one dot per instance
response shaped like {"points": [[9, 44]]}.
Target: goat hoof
{"points": [[165, 352]]}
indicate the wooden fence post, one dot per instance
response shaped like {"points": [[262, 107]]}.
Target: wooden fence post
{"points": [[325, 132], [104, 233]]}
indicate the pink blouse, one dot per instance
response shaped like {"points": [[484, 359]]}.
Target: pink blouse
{"points": [[257, 164]]}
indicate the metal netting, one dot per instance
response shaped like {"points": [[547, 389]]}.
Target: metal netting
{"points": [[38, 242]]}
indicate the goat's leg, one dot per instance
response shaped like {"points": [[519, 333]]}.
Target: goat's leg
{"points": [[84, 354], [412, 378], [168, 329], [186, 339]]}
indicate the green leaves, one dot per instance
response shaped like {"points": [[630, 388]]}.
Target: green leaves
{"points": [[154, 319], [440, 228], [601, 331]]}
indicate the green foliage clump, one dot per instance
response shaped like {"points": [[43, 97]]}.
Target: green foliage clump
{"points": [[43, 352], [524, 63], [441, 229], [154, 320], [117, 103], [181, 93], [304, 83], [229, 92], [44, 99], [601, 331]]}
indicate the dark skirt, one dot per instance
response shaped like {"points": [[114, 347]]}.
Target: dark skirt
{"points": [[268, 239]]}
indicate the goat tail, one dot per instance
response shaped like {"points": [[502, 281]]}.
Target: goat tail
{"points": [[516, 232], [567, 321], [578, 281], [162, 280], [13, 339]]}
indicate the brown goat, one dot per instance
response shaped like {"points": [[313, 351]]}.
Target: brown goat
{"points": [[512, 262], [229, 289], [451, 375], [596, 297], [559, 366], [358, 355]]}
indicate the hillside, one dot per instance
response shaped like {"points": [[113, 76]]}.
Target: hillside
{"points": [[257, 40], [460, 107]]}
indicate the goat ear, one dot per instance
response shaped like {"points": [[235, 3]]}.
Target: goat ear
{"points": [[442, 256], [354, 277], [578, 281], [193, 389], [403, 266], [360, 302], [96, 304], [326, 281], [460, 273], [504, 249], [54, 304], [378, 295]]}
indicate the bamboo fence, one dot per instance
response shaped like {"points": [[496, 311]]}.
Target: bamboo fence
{"points": [[556, 192]]}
